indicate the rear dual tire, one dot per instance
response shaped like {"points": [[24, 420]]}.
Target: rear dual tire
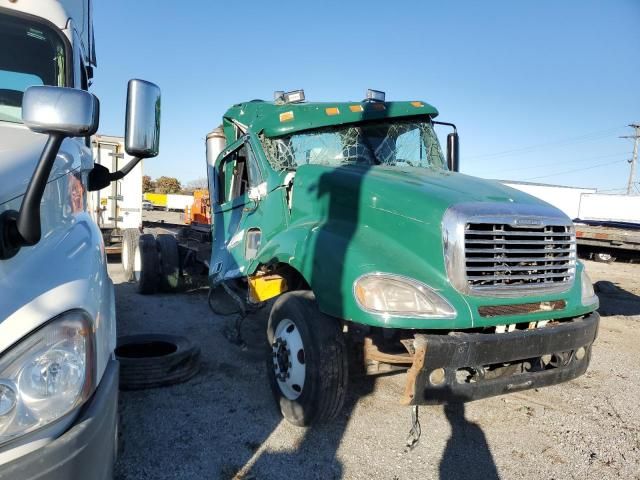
{"points": [[129, 242], [157, 264], [169, 263], [146, 264]]}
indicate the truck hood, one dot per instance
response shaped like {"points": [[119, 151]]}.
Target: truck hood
{"points": [[20, 150], [357, 220], [416, 193]]}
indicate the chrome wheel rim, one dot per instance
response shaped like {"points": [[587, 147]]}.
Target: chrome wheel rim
{"points": [[289, 359]]}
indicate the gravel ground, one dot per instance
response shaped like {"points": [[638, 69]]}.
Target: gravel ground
{"points": [[222, 424]]}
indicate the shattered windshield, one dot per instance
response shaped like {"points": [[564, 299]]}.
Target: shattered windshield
{"points": [[31, 54], [394, 143]]}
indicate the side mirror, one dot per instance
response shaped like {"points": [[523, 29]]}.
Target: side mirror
{"points": [[453, 152], [60, 113], [142, 127], [66, 112], [142, 132]]}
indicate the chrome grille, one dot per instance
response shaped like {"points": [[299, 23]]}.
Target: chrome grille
{"points": [[508, 257]]}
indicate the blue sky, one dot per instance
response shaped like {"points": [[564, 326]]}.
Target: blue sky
{"points": [[539, 90]]}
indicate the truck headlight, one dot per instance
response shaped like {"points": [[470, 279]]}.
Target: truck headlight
{"points": [[589, 296], [395, 295], [46, 375]]}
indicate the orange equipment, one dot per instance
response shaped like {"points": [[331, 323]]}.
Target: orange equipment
{"points": [[200, 210]]}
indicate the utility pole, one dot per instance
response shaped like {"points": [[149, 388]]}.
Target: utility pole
{"points": [[634, 159]]}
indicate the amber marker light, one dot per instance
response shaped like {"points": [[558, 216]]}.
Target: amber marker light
{"points": [[286, 116]]}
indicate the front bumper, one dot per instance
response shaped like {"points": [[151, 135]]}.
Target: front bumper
{"points": [[86, 450], [500, 363]]}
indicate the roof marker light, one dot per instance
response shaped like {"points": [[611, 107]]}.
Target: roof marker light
{"points": [[356, 108], [331, 111], [295, 96], [417, 104], [375, 96]]}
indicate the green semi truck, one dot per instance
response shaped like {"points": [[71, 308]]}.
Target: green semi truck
{"points": [[384, 257]]}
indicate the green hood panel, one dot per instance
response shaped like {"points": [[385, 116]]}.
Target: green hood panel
{"points": [[353, 220], [411, 191]]}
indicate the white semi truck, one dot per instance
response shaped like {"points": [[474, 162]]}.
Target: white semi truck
{"points": [[58, 373]]}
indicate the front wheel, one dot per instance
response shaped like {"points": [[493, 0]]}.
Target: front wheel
{"points": [[307, 362]]}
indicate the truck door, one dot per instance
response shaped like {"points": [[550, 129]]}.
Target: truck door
{"points": [[237, 210]]}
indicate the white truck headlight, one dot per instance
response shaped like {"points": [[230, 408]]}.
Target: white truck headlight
{"points": [[395, 295], [46, 375], [589, 296]]}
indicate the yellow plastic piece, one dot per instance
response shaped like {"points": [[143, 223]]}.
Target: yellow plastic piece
{"points": [[332, 111], [262, 288], [417, 104], [356, 108]]}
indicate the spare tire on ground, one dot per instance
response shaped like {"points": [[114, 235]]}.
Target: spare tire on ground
{"points": [[155, 360]]}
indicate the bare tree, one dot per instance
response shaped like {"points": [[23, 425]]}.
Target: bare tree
{"points": [[197, 184]]}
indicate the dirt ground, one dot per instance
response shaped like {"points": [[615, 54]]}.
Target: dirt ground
{"points": [[222, 424]]}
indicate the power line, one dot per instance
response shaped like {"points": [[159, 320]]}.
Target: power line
{"points": [[577, 170], [558, 143]]}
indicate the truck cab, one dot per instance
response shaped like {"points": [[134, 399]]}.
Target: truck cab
{"points": [[58, 373], [384, 257]]}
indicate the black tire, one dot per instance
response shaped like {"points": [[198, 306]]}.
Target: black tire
{"points": [[155, 360], [169, 263], [324, 357], [603, 257], [147, 265], [129, 241]]}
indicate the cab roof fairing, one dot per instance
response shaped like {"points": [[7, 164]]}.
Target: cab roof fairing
{"points": [[62, 13], [265, 117]]}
